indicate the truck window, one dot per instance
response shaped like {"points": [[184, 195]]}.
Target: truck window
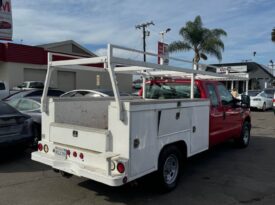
{"points": [[212, 95], [170, 91], [225, 95], [2, 86]]}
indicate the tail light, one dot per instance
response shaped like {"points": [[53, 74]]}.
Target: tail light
{"points": [[81, 156], [120, 167], [68, 152], [40, 147], [74, 154], [274, 100], [46, 148]]}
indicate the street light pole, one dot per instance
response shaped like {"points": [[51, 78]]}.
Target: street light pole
{"points": [[162, 34]]}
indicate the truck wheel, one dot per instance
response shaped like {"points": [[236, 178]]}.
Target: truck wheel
{"points": [[264, 107], [169, 168], [244, 140]]}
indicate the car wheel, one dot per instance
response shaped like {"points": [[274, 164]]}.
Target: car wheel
{"points": [[244, 139], [169, 168], [264, 107]]}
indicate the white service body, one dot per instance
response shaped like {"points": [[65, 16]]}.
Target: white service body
{"points": [[104, 140]]}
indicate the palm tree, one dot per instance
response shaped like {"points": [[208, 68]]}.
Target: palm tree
{"points": [[201, 40]]}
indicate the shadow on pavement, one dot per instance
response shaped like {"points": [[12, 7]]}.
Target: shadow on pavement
{"points": [[224, 172], [18, 159]]}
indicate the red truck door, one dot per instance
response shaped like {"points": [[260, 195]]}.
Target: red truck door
{"points": [[217, 116], [233, 114]]}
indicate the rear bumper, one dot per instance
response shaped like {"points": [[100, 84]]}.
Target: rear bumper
{"points": [[256, 104], [80, 170]]}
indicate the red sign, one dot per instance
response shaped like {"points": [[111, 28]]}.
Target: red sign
{"points": [[163, 54], [5, 20]]}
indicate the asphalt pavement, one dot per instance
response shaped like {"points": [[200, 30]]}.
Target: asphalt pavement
{"points": [[223, 175]]}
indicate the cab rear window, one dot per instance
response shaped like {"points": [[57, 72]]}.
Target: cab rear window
{"points": [[170, 91]]}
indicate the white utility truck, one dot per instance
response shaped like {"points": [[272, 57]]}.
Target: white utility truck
{"points": [[117, 140]]}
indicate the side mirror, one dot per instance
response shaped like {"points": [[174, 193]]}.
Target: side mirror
{"points": [[245, 101]]}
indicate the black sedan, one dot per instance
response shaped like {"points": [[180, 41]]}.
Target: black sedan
{"points": [[15, 127], [31, 107]]}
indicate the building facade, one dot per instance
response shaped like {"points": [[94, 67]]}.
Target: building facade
{"points": [[260, 76], [19, 63]]}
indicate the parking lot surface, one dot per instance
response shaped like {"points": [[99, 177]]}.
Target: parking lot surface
{"points": [[223, 175]]}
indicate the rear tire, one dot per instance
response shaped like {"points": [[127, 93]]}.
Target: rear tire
{"points": [[244, 139], [169, 168]]}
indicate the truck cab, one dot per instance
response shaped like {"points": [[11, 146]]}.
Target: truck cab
{"points": [[227, 115]]}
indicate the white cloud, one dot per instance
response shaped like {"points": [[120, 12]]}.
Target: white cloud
{"points": [[94, 23]]}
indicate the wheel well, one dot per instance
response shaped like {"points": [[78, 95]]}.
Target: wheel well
{"points": [[181, 145]]}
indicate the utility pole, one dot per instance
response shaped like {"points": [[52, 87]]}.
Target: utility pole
{"points": [[145, 33]]}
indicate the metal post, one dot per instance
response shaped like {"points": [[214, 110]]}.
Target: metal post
{"points": [[193, 81], [44, 102], [144, 43], [143, 86], [143, 26], [114, 82], [246, 86]]}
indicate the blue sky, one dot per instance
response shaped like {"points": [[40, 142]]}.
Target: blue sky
{"points": [[94, 23]]}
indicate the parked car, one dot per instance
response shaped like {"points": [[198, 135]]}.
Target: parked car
{"points": [[31, 107], [273, 103], [15, 127], [261, 101], [92, 93], [33, 93], [4, 90], [28, 85], [270, 92]]}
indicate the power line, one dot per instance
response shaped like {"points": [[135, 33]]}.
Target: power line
{"points": [[145, 33]]}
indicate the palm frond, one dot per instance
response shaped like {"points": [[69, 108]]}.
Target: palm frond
{"points": [[179, 46], [202, 40]]}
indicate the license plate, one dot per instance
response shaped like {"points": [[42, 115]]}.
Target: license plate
{"points": [[60, 153]]}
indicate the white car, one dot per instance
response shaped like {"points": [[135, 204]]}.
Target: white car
{"points": [[91, 93], [28, 85], [261, 101]]}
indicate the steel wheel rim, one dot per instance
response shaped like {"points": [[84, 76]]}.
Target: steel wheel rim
{"points": [[171, 169], [246, 135]]}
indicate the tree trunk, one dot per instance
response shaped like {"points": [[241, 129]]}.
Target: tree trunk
{"points": [[196, 59]]}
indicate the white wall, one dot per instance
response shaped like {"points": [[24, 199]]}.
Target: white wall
{"points": [[13, 74]]}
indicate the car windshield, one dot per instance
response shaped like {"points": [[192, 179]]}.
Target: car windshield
{"points": [[253, 93], [23, 85], [170, 91]]}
